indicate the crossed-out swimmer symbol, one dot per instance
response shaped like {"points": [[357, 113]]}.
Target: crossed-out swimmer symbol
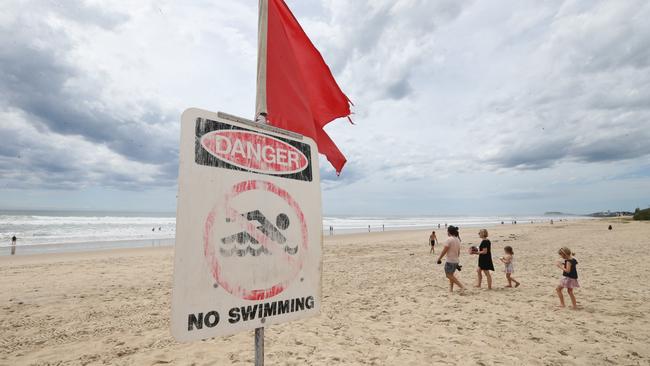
{"points": [[273, 232], [227, 241]]}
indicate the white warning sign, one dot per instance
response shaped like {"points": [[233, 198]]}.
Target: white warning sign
{"points": [[248, 228]]}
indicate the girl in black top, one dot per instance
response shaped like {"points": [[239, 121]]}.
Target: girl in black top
{"points": [[485, 264], [569, 276]]}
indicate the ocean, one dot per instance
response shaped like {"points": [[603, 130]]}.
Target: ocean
{"points": [[65, 231]]}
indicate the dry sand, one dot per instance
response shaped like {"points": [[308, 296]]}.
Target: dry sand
{"points": [[385, 303]]}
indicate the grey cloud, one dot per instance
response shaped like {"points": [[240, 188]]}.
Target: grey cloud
{"points": [[615, 147], [626, 45], [399, 89], [38, 79], [82, 12], [47, 160], [586, 96], [352, 172], [531, 155], [381, 42], [87, 13], [538, 152]]}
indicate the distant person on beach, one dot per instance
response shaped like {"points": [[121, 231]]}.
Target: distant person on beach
{"points": [[452, 251], [13, 245], [507, 260], [485, 264], [432, 241], [610, 227], [569, 280]]}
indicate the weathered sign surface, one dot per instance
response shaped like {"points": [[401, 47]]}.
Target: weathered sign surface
{"points": [[248, 227]]}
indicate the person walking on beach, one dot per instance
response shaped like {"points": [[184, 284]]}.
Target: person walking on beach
{"points": [[452, 251], [485, 264], [569, 276], [432, 241], [13, 245], [507, 260]]}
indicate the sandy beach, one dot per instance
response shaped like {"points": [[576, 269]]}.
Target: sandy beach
{"points": [[386, 302]]}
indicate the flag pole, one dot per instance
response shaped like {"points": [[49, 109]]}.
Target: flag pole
{"points": [[260, 117], [262, 27]]}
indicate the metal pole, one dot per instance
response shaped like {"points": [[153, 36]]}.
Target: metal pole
{"points": [[259, 346], [260, 117], [260, 98]]}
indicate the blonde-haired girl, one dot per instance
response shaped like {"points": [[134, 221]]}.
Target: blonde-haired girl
{"points": [[569, 276]]}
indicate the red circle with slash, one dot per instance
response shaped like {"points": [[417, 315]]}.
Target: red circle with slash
{"points": [[226, 280]]}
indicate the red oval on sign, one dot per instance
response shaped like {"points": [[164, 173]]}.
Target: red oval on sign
{"points": [[254, 151]]}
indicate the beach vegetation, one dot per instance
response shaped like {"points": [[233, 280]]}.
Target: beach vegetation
{"points": [[642, 214]]}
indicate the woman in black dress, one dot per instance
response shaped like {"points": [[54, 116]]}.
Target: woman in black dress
{"points": [[485, 264]]}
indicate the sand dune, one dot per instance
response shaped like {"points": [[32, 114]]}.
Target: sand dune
{"points": [[385, 303]]}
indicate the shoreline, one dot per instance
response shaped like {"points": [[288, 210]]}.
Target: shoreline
{"points": [[82, 247], [384, 302], [100, 245]]}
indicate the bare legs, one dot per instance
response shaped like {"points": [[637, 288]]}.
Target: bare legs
{"points": [[559, 294], [489, 279], [480, 278], [453, 280], [573, 298], [574, 305], [511, 280]]}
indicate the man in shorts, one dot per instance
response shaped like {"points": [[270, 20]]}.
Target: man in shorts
{"points": [[452, 251]]}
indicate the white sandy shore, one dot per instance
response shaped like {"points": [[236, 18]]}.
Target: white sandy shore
{"points": [[385, 303]]}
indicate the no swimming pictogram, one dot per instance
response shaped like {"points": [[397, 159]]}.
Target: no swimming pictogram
{"points": [[248, 250], [249, 255]]}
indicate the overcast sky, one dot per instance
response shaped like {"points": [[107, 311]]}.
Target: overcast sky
{"points": [[461, 107]]}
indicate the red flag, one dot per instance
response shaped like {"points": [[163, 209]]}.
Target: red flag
{"points": [[301, 94]]}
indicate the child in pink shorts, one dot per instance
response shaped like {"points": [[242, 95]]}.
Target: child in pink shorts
{"points": [[569, 279]]}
